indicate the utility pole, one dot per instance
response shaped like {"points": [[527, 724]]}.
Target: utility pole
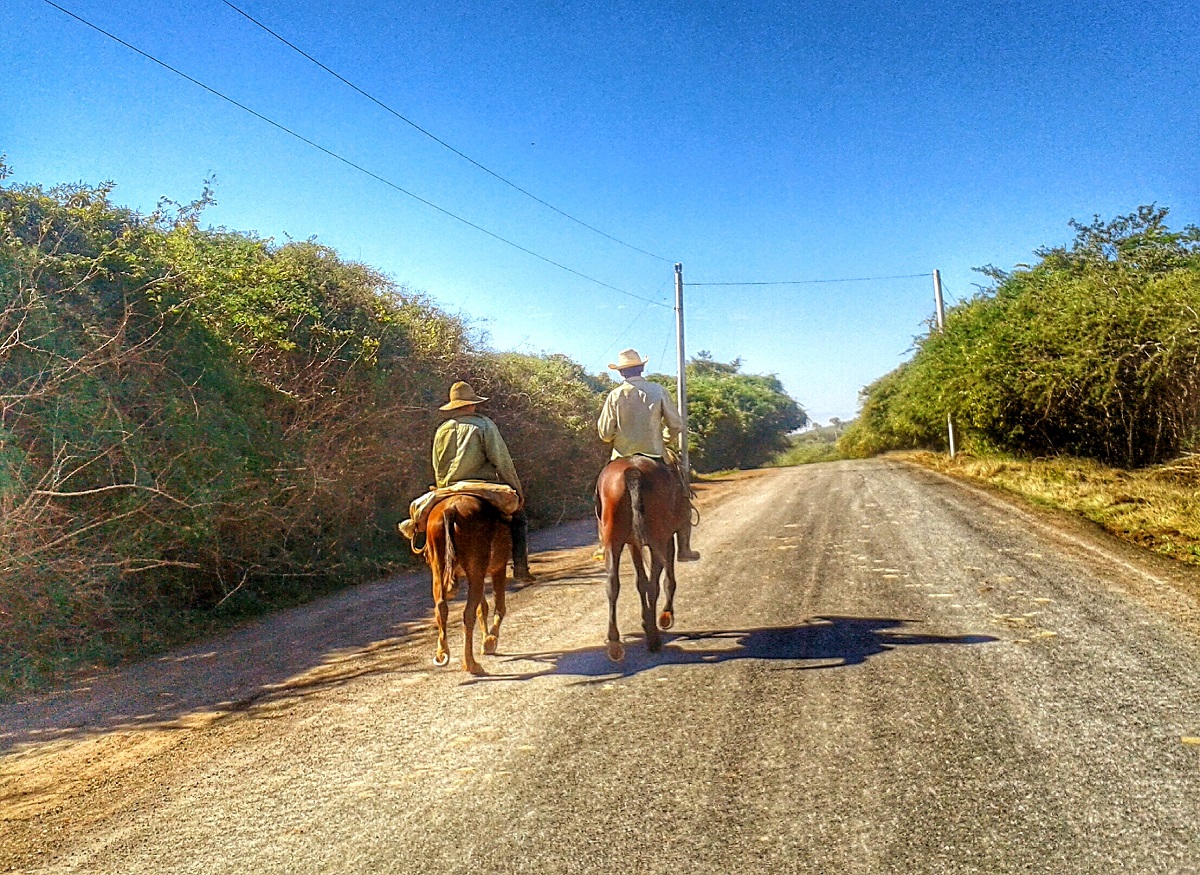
{"points": [[681, 385], [941, 324]]}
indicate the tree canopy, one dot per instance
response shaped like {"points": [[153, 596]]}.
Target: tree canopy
{"points": [[735, 420], [1092, 351]]}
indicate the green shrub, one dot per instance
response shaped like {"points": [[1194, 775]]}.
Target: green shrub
{"points": [[1094, 351], [199, 424], [735, 420]]}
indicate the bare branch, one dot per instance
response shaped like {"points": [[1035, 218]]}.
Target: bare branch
{"points": [[112, 488]]}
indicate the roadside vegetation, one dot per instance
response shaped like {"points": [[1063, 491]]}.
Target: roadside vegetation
{"points": [[1156, 507], [735, 420], [817, 444], [1074, 382], [198, 425], [1093, 352]]}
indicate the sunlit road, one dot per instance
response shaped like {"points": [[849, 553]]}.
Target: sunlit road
{"points": [[873, 670]]}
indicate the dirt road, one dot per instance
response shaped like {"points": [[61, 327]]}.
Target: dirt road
{"points": [[873, 670]]}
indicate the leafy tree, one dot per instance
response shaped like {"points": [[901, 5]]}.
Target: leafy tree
{"points": [[735, 420], [1093, 351]]}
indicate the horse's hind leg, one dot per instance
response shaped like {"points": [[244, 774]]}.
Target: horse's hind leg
{"points": [[667, 618], [483, 619], [612, 562], [470, 613], [499, 589], [441, 656], [648, 590]]}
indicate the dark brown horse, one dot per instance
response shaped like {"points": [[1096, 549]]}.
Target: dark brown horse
{"points": [[640, 502], [469, 536]]}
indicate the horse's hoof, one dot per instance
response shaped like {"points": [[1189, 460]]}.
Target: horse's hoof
{"points": [[615, 651], [475, 668], [666, 620], [654, 644], [489, 644], [441, 659]]}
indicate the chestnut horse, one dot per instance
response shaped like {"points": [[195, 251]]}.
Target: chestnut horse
{"points": [[641, 502], [468, 535]]}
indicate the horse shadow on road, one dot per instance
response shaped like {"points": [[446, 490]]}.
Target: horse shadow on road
{"points": [[819, 643]]}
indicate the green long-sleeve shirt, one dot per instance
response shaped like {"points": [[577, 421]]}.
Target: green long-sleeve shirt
{"points": [[470, 447]]}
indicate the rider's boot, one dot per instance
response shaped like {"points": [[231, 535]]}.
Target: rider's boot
{"points": [[684, 551], [408, 529], [520, 547]]}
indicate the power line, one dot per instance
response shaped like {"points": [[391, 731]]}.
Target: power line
{"points": [[666, 340], [437, 139], [347, 161], [855, 279], [626, 329], [623, 332]]}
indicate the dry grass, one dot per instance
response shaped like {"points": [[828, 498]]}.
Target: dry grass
{"points": [[1157, 508]]}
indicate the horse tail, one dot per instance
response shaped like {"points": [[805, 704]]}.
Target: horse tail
{"points": [[633, 485], [449, 518]]}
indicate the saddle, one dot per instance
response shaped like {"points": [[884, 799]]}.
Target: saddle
{"points": [[674, 462], [500, 495]]}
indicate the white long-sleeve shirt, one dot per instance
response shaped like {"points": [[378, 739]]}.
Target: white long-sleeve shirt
{"points": [[634, 416]]}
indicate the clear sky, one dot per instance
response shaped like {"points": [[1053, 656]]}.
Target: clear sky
{"points": [[760, 142]]}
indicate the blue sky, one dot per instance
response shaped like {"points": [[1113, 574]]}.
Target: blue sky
{"points": [[751, 142]]}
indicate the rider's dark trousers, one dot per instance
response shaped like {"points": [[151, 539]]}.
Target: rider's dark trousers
{"points": [[520, 538]]}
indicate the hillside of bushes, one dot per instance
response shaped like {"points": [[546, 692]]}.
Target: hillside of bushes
{"points": [[1093, 352], [198, 425]]}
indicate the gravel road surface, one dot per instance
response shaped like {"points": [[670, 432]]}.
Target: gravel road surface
{"points": [[874, 669]]}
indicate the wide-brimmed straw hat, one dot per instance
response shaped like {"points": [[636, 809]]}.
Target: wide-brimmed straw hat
{"points": [[461, 395], [629, 358]]}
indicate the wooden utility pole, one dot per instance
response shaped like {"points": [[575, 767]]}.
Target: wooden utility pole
{"points": [[681, 385], [941, 324]]}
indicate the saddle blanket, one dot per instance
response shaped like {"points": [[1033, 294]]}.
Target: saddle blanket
{"points": [[500, 495]]}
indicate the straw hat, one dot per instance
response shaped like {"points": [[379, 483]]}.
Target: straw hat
{"points": [[461, 395], [629, 358]]}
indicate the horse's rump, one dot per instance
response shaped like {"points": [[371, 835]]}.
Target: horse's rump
{"points": [[465, 528], [642, 496]]}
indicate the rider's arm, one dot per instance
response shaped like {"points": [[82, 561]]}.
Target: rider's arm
{"points": [[607, 426], [498, 455], [671, 420], [445, 450]]}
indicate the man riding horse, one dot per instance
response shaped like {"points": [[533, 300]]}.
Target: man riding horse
{"points": [[633, 420], [468, 446]]}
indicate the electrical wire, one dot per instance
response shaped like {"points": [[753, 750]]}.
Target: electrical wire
{"points": [[348, 162], [622, 333], [855, 279], [435, 138], [670, 333]]}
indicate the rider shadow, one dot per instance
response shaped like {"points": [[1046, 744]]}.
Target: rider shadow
{"points": [[819, 643]]}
